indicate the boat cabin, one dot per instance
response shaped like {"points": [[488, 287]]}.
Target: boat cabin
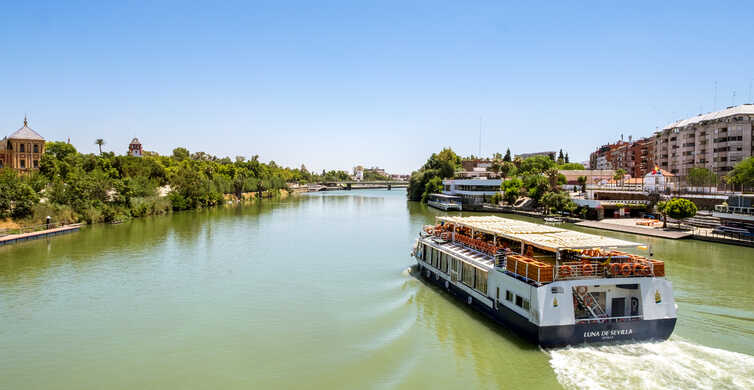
{"points": [[445, 202]]}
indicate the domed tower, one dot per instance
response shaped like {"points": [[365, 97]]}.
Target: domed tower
{"points": [[134, 148]]}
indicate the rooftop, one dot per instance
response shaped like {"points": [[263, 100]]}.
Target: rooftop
{"points": [[542, 236], [743, 109], [26, 132]]}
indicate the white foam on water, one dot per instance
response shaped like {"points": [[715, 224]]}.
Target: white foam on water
{"points": [[673, 364]]}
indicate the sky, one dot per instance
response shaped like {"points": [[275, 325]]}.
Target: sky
{"points": [[333, 84]]}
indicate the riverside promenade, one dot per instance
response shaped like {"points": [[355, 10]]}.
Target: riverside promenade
{"points": [[13, 238], [646, 231]]}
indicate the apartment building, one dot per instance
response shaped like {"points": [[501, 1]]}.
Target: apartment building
{"points": [[717, 141], [634, 157]]}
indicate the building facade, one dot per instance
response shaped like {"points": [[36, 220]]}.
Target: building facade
{"points": [[135, 149], [717, 141], [473, 192], [634, 157], [22, 150]]}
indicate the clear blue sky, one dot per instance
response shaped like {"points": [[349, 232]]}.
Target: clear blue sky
{"points": [[332, 84]]}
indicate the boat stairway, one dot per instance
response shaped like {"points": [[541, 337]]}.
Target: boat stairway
{"points": [[587, 300]]}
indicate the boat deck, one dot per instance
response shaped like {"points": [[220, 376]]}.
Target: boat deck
{"points": [[477, 258]]}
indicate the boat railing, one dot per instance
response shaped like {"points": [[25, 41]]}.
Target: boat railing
{"points": [[596, 270], [602, 320]]}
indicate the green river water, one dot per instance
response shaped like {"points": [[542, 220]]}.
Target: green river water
{"points": [[315, 292]]}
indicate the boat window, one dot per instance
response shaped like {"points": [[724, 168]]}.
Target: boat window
{"points": [[557, 290], [525, 305], [468, 275], [508, 296], [519, 301], [497, 295], [480, 280], [424, 252]]}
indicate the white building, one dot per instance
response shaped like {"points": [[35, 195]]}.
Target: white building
{"points": [[474, 192], [659, 180]]}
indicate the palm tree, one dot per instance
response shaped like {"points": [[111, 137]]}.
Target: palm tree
{"points": [[582, 182], [552, 174], [99, 142], [619, 175]]}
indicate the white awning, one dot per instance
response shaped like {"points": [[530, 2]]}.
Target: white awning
{"points": [[539, 235]]}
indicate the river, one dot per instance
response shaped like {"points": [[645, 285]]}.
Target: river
{"points": [[315, 292]]}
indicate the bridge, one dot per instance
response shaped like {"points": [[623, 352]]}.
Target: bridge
{"points": [[357, 185]]}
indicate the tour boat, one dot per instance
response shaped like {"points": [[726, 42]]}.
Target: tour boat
{"points": [[445, 202], [554, 286]]}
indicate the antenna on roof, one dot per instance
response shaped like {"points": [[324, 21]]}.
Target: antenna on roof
{"points": [[714, 101], [733, 99]]}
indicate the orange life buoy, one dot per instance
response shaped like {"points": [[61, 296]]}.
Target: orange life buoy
{"points": [[625, 269], [564, 271], [645, 271], [637, 268], [587, 269], [614, 268]]}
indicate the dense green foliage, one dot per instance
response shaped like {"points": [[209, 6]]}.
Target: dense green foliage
{"points": [[106, 187], [537, 177], [743, 173], [677, 208], [558, 201], [570, 166], [511, 189], [441, 166]]}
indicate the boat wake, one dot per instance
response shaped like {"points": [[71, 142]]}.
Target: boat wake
{"points": [[673, 364]]}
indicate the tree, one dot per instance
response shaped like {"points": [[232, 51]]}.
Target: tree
{"points": [[743, 173], [99, 142], [180, 154], [582, 182], [536, 185], [570, 167], [433, 186], [552, 176], [680, 209], [660, 206], [566, 158], [619, 175], [561, 158], [507, 169], [558, 201], [507, 155], [442, 165], [700, 177], [511, 189], [536, 164]]}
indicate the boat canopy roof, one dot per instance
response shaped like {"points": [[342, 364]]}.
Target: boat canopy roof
{"points": [[542, 236], [444, 196]]}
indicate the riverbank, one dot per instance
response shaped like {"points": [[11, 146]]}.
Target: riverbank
{"points": [[32, 235], [644, 231], [61, 215]]}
